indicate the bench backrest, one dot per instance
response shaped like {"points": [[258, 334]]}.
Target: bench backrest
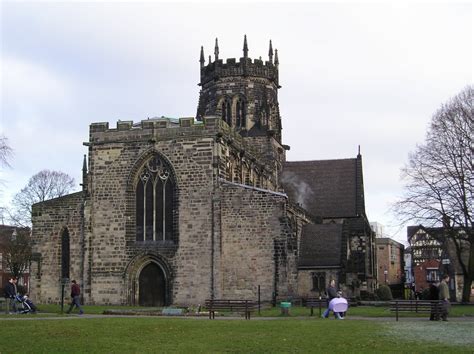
{"points": [[230, 304]]}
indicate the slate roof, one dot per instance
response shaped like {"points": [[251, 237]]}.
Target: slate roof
{"points": [[320, 245], [326, 188]]}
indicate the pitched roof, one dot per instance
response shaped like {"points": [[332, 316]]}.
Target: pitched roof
{"points": [[320, 245], [327, 188]]}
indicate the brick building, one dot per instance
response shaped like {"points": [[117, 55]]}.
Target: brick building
{"points": [[390, 261], [434, 254], [174, 211]]}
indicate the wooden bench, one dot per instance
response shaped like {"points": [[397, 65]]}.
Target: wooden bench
{"points": [[317, 302], [416, 306], [245, 306]]}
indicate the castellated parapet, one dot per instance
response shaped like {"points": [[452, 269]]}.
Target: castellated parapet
{"points": [[244, 67]]}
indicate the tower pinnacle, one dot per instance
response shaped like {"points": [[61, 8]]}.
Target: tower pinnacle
{"points": [[276, 58], [216, 51], [270, 52], [246, 48], [201, 59]]}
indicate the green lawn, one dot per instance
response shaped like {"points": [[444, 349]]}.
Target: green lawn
{"points": [[190, 335]]}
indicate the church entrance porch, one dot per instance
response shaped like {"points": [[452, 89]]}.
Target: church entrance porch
{"points": [[151, 286], [148, 281]]}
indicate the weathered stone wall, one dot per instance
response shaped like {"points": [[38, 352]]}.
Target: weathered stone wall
{"points": [[305, 281], [250, 232], [49, 220], [116, 156]]}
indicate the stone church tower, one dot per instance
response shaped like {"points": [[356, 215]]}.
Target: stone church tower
{"points": [[176, 211]]}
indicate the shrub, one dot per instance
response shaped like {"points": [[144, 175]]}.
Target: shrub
{"points": [[384, 293]]}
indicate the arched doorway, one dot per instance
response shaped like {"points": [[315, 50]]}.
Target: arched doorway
{"points": [[152, 286]]}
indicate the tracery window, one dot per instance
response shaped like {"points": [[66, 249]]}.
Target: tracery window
{"points": [[155, 201]]}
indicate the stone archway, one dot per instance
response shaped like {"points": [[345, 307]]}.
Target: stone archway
{"points": [[149, 281], [152, 286]]}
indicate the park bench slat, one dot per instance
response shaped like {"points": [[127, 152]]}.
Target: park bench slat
{"points": [[246, 306], [417, 306]]}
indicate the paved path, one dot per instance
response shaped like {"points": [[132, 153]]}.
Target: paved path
{"points": [[29, 317]]}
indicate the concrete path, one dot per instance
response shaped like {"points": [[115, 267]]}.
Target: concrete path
{"points": [[42, 317]]}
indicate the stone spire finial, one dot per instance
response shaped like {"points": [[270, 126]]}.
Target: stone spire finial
{"points": [[84, 173], [216, 51], [246, 48], [276, 58], [201, 59], [270, 52], [209, 59]]}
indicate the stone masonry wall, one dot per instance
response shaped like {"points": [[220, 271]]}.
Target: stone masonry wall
{"points": [[116, 156], [250, 226], [49, 219]]}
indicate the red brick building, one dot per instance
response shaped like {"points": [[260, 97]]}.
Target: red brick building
{"points": [[389, 261]]}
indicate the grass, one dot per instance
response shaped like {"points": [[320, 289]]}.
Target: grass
{"points": [[255, 336]]}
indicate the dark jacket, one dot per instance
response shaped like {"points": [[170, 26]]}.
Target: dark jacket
{"points": [[443, 290], [9, 290], [332, 292], [434, 292], [75, 290]]}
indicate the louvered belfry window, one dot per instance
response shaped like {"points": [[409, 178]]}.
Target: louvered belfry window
{"points": [[154, 201]]}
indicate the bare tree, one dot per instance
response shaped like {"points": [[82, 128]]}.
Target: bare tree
{"points": [[42, 186], [6, 151], [439, 180], [18, 252]]}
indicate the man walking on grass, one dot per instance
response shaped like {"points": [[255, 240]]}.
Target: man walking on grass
{"points": [[444, 297], [76, 298]]}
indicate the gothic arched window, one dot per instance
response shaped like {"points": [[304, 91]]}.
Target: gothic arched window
{"points": [[65, 254], [155, 199], [226, 111], [240, 113]]}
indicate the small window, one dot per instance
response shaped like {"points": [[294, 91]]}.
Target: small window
{"points": [[432, 275], [319, 282]]}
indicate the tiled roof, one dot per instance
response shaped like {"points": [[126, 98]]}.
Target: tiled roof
{"points": [[320, 245], [326, 188]]}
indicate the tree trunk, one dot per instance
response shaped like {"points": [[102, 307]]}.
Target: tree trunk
{"points": [[468, 278]]}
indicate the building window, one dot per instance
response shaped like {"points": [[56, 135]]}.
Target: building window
{"points": [[226, 112], [65, 254], [240, 113], [1, 261], [319, 282], [155, 193], [432, 275]]}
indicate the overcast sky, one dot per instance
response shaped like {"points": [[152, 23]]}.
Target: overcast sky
{"points": [[351, 74]]}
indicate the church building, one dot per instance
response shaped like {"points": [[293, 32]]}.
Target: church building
{"points": [[176, 211]]}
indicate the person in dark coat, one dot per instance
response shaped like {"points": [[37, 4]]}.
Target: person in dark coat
{"points": [[331, 292], [76, 298], [434, 296], [10, 293], [444, 297]]}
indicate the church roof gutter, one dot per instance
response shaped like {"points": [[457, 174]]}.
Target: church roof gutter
{"points": [[253, 188]]}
